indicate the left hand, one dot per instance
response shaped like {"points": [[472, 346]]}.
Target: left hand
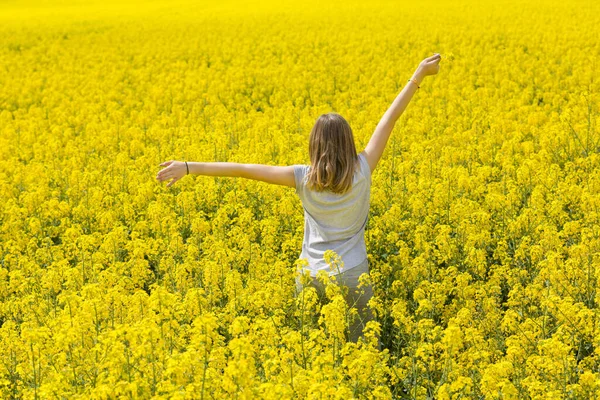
{"points": [[175, 170], [430, 65]]}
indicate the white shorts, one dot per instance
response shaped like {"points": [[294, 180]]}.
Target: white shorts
{"points": [[354, 298]]}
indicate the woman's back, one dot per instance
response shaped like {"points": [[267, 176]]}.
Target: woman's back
{"points": [[335, 221]]}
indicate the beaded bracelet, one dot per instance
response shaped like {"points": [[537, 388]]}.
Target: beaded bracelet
{"points": [[188, 168], [415, 82]]}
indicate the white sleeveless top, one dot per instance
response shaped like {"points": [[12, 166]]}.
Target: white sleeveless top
{"points": [[335, 221]]}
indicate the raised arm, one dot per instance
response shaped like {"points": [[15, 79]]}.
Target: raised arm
{"points": [[379, 139], [278, 175]]}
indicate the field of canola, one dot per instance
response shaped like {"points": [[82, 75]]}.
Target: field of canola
{"points": [[483, 236]]}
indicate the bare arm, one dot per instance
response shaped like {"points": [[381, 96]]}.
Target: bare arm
{"points": [[379, 139], [278, 175]]}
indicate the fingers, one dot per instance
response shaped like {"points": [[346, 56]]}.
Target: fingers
{"points": [[165, 176], [434, 57], [162, 173], [435, 61], [167, 173], [172, 182]]}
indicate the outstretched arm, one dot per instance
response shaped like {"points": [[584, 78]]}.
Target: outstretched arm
{"points": [[378, 141], [277, 175]]}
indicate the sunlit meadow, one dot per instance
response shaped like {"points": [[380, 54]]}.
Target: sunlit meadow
{"points": [[484, 230]]}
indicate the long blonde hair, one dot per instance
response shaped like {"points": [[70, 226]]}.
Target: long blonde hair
{"points": [[332, 154]]}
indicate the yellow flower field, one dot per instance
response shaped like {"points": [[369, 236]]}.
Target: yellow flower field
{"points": [[484, 229]]}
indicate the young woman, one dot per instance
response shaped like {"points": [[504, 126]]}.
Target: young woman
{"points": [[334, 190]]}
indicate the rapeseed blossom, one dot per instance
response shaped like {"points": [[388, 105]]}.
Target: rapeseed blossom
{"points": [[483, 234]]}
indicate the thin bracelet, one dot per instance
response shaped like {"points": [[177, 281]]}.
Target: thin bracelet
{"points": [[188, 168], [415, 82]]}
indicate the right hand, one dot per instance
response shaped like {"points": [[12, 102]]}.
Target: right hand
{"points": [[175, 170], [430, 65]]}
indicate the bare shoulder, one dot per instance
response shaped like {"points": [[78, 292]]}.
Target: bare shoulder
{"points": [[368, 162], [370, 159]]}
